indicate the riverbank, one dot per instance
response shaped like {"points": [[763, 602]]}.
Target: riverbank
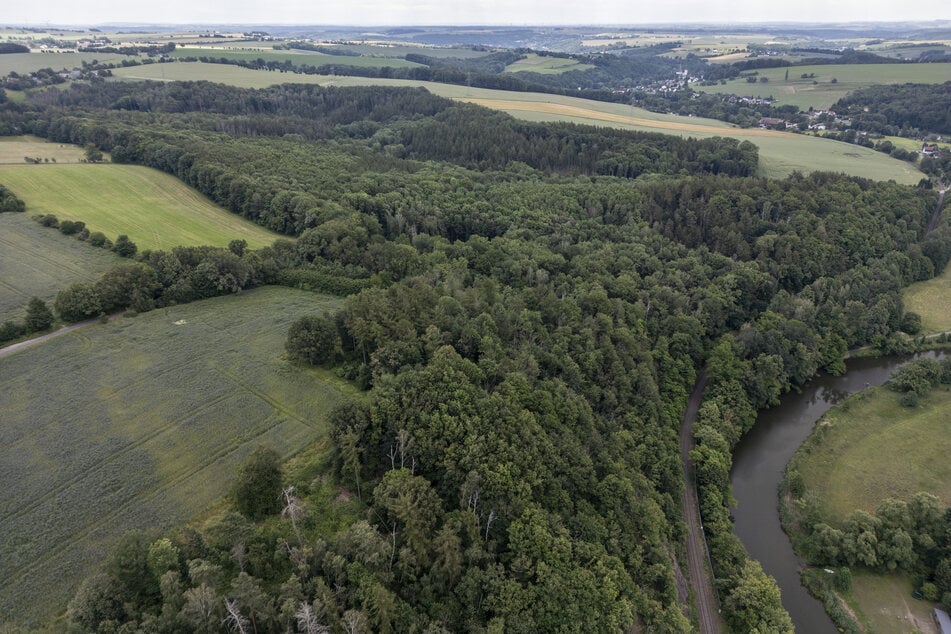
{"points": [[759, 462], [862, 455]]}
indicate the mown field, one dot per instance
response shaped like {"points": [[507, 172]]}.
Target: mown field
{"points": [[14, 149], [804, 94], [546, 65], [142, 423], [883, 604], [871, 448], [780, 153], [37, 261], [155, 210], [296, 57]]}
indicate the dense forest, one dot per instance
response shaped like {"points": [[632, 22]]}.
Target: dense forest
{"points": [[530, 307], [891, 110]]}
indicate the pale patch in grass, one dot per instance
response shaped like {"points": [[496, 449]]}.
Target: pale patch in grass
{"points": [[884, 605]]}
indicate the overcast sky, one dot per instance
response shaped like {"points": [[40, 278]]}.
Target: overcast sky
{"points": [[396, 12]]}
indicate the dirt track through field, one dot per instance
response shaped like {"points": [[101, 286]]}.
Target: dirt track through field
{"points": [[597, 115]]}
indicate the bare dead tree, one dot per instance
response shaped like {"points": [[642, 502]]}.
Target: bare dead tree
{"points": [[355, 622], [308, 622], [235, 621], [293, 509], [240, 554], [488, 523]]}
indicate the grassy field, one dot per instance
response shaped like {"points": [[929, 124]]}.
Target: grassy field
{"points": [[883, 604], [296, 57], [872, 448], [546, 65], [142, 423], [155, 210], [39, 261], [14, 148], [803, 93], [932, 299], [780, 153], [31, 62]]}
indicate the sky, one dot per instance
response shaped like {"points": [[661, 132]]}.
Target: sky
{"points": [[494, 12]]}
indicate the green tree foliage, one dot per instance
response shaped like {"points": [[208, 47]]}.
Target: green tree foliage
{"points": [[314, 340], [77, 302], [527, 322], [754, 604], [125, 247], [257, 492], [9, 201], [38, 316]]}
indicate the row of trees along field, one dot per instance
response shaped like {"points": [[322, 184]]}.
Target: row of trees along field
{"points": [[892, 109], [527, 333]]}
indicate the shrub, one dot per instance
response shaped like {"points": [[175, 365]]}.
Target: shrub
{"points": [[258, 490]]}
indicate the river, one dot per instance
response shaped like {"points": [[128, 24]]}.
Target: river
{"points": [[758, 464]]}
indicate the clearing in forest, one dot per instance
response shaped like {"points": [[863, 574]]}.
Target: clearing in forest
{"points": [[155, 210], [142, 423]]}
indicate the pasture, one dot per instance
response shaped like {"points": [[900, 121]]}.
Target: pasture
{"points": [[870, 447], [820, 92], [294, 56], [546, 65], [142, 423], [155, 210], [780, 153], [38, 261]]}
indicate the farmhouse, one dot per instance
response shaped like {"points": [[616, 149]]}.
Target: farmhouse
{"points": [[930, 150], [768, 122]]}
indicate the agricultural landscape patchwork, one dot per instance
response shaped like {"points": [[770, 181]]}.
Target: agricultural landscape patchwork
{"points": [[396, 329]]}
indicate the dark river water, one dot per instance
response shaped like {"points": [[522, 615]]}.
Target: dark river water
{"points": [[758, 465]]}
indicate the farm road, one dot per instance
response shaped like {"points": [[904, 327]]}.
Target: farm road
{"points": [[708, 613], [16, 347]]}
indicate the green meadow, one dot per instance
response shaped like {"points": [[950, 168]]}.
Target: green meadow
{"points": [[142, 423], [38, 261], [155, 210], [820, 92], [780, 153], [871, 448]]}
